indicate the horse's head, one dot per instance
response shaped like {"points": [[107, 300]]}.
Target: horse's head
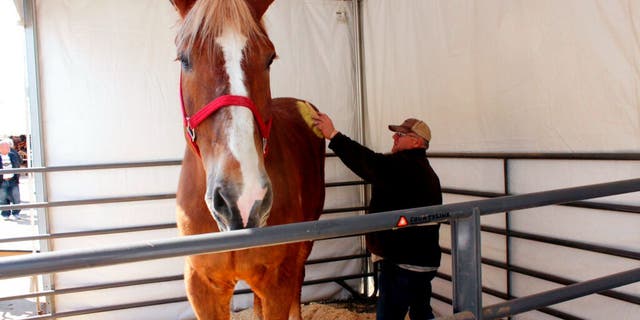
{"points": [[225, 55]]}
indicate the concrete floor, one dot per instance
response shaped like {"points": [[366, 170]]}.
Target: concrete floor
{"points": [[19, 308]]}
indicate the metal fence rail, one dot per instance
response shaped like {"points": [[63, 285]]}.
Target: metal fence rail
{"points": [[105, 231], [175, 278], [508, 159], [623, 156], [240, 239], [150, 197], [543, 276], [303, 231], [105, 166], [569, 292], [508, 233]]}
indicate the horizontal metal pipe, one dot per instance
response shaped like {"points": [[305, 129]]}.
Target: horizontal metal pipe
{"points": [[564, 281], [136, 282], [473, 193], [334, 279], [174, 300], [28, 295], [442, 298], [91, 232], [544, 276], [132, 305], [335, 259], [502, 295], [478, 155], [579, 204], [123, 165], [67, 203], [460, 155], [303, 231], [604, 206], [101, 286], [537, 156], [130, 229], [487, 290], [566, 243], [152, 197], [344, 184], [555, 296]]}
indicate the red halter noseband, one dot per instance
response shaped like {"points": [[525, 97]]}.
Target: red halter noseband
{"points": [[218, 103]]}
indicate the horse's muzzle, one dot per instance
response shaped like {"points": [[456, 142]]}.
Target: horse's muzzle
{"points": [[233, 207]]}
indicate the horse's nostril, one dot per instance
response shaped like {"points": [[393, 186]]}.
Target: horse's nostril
{"points": [[224, 209], [219, 203]]}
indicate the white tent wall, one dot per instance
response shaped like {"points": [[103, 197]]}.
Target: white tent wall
{"points": [[518, 76], [535, 76], [109, 88]]}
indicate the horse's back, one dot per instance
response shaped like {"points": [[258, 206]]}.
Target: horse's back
{"points": [[295, 160]]}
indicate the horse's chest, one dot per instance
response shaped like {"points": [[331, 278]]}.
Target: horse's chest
{"points": [[243, 263]]}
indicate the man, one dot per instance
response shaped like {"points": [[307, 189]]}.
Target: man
{"points": [[10, 188], [400, 180]]}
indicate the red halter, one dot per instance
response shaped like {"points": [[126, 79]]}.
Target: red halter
{"points": [[218, 103]]}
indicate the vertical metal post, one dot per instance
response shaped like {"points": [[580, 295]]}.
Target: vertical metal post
{"points": [[358, 65], [35, 125], [507, 227], [466, 267], [356, 24]]}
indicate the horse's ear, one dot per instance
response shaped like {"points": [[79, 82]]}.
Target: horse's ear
{"points": [[183, 6], [259, 6]]}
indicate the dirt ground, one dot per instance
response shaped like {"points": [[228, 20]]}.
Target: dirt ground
{"points": [[346, 310]]}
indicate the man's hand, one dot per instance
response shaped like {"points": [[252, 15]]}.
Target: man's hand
{"points": [[325, 125]]}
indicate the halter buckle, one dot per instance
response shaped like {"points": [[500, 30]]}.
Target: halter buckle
{"points": [[264, 146], [191, 131]]}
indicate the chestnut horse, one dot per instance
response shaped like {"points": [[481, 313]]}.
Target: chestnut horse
{"points": [[251, 161]]}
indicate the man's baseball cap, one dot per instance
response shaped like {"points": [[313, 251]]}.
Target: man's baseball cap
{"points": [[414, 126]]}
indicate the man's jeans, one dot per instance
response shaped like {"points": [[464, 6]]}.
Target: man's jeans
{"points": [[10, 194], [402, 290]]}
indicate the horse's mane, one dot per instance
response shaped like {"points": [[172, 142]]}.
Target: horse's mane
{"points": [[207, 19]]}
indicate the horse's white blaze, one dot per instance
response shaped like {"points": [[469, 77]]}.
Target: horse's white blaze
{"points": [[241, 132]]}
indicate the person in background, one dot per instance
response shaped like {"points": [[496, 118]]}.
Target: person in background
{"points": [[20, 146], [400, 180], [10, 188]]}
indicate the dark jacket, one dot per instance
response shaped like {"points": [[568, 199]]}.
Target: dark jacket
{"points": [[15, 163], [399, 180]]}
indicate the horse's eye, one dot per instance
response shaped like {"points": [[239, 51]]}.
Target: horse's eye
{"points": [[186, 63], [270, 61]]}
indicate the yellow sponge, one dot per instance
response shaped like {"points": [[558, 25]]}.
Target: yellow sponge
{"points": [[307, 111]]}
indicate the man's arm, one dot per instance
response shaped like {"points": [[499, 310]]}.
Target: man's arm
{"points": [[364, 162]]}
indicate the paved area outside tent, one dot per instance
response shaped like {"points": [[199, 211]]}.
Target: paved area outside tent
{"points": [[12, 228]]}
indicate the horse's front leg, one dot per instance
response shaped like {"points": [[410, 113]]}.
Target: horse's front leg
{"points": [[279, 300], [279, 286], [295, 312], [209, 294]]}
